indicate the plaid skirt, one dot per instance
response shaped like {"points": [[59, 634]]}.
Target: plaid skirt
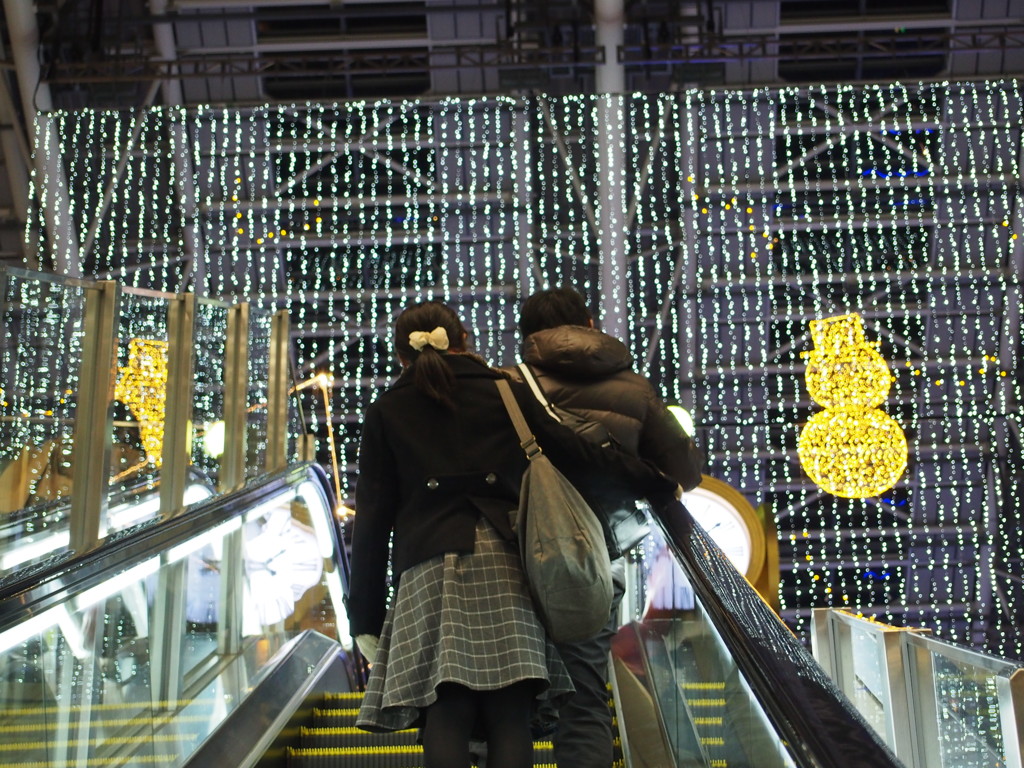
{"points": [[465, 619]]}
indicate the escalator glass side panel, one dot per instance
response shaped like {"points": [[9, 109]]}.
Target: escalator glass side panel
{"points": [[710, 717], [781, 706], [141, 666], [40, 363], [38, 535]]}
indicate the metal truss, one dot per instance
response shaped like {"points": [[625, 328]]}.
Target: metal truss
{"points": [[305, 64], [827, 46]]}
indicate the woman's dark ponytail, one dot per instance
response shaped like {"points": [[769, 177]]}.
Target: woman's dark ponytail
{"points": [[430, 373]]}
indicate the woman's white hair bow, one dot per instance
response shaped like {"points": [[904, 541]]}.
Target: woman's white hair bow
{"points": [[437, 338]]}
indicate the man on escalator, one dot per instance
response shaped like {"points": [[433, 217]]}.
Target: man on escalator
{"points": [[589, 373]]}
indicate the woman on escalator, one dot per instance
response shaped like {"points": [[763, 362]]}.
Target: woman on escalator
{"points": [[460, 652]]}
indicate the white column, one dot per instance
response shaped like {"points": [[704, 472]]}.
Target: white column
{"points": [[191, 236], [36, 103], [612, 201]]}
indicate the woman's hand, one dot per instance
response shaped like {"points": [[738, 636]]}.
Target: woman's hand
{"points": [[367, 645]]}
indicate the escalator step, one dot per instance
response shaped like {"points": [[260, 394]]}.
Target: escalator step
{"points": [[543, 753], [333, 741], [53, 709], [343, 698], [148, 720], [708, 721], [706, 703], [47, 747], [334, 718], [699, 686], [349, 757], [380, 757], [312, 738], [102, 762]]}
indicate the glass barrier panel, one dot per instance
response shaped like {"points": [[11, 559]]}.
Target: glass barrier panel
{"points": [[133, 672], [968, 706], [142, 504], [260, 322], [40, 363], [210, 331], [693, 676], [863, 660], [292, 579], [140, 391]]}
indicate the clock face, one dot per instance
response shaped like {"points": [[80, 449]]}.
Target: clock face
{"points": [[727, 526]]}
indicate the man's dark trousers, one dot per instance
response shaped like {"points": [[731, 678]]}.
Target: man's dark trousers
{"points": [[584, 737]]}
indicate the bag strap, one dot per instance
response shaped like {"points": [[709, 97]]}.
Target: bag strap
{"points": [[531, 379], [526, 439]]}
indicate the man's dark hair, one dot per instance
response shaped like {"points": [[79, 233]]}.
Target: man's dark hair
{"points": [[552, 308]]}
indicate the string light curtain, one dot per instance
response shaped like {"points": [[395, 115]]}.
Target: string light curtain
{"points": [[739, 216]]}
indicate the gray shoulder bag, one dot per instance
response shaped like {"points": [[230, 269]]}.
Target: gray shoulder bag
{"points": [[625, 525], [561, 542]]}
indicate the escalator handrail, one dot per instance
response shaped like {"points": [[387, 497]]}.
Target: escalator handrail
{"points": [[820, 726], [56, 583]]}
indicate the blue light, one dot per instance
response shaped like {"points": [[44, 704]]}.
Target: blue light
{"points": [[875, 173]]}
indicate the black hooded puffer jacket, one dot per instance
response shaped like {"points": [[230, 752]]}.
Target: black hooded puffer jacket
{"points": [[590, 373]]}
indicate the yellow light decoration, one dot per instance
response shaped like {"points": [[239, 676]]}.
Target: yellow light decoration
{"points": [[844, 369], [142, 386], [851, 449]]}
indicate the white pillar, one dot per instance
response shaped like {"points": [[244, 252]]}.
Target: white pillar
{"points": [[36, 103], [192, 240], [610, 20], [612, 200]]}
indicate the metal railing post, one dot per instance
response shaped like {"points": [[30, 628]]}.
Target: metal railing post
{"points": [[1011, 717], [93, 432], [232, 475], [236, 391], [822, 638], [277, 393], [177, 448], [919, 669], [168, 632]]}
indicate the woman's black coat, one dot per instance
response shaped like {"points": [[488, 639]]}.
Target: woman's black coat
{"points": [[427, 473]]}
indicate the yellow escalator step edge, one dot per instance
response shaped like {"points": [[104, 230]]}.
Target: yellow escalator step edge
{"points": [[354, 751], [706, 702], [343, 730], [100, 761], [98, 741], [707, 721]]}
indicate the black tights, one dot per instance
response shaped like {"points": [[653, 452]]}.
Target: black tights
{"points": [[505, 716]]}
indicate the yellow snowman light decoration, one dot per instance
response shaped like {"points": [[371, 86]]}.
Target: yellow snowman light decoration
{"points": [[142, 386], [851, 449]]}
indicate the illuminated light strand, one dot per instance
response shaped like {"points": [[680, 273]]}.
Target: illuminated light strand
{"points": [[896, 201]]}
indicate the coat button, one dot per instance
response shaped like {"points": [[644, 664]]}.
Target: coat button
{"points": [[432, 483], [491, 478]]}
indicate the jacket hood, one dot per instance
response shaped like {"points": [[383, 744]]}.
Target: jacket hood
{"points": [[575, 351]]}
